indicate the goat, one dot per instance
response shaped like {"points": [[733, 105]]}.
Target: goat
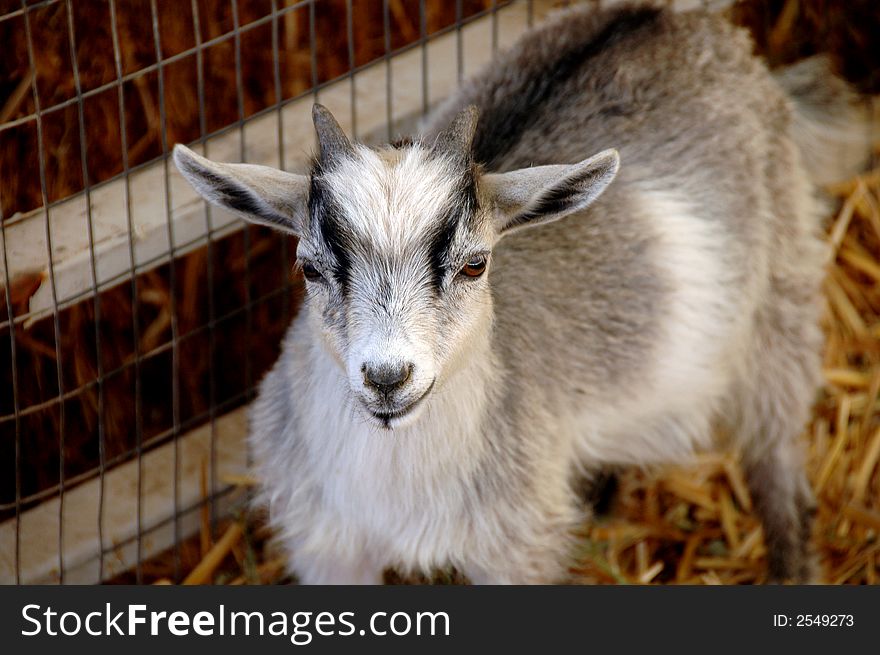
{"points": [[603, 250]]}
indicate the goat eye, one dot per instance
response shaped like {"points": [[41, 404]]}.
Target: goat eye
{"points": [[310, 272], [475, 267]]}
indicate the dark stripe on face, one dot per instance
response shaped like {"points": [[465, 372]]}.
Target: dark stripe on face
{"points": [[462, 211], [439, 252], [325, 220]]}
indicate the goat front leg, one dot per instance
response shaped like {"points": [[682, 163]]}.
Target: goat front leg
{"points": [[329, 568], [519, 567], [539, 553], [326, 557]]}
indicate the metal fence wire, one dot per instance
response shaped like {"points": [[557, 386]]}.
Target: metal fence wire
{"points": [[130, 358], [137, 320]]}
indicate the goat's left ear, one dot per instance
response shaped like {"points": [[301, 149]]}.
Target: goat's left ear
{"points": [[259, 194], [534, 196]]}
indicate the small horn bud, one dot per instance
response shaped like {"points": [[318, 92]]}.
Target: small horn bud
{"points": [[457, 139], [333, 143]]}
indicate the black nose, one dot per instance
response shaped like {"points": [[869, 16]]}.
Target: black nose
{"points": [[385, 378]]}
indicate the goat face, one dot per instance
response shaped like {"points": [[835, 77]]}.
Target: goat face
{"points": [[395, 256], [395, 245]]}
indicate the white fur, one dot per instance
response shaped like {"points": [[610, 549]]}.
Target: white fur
{"points": [[392, 197], [668, 416], [374, 498]]}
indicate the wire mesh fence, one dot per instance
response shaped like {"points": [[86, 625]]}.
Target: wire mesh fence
{"points": [[117, 365], [137, 320]]}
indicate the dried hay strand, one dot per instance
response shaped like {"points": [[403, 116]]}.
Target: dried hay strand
{"points": [[237, 550]]}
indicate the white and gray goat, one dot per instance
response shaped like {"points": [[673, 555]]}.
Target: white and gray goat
{"points": [[495, 312]]}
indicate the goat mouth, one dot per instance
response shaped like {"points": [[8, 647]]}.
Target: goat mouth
{"points": [[387, 417]]}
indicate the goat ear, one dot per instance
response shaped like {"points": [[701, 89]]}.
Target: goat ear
{"points": [[259, 194], [457, 139], [332, 142], [533, 196]]}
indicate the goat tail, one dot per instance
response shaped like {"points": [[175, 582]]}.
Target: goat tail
{"points": [[832, 124]]}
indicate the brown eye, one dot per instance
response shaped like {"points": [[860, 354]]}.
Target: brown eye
{"points": [[310, 272], [475, 267]]}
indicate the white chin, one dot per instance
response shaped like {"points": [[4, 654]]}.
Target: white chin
{"points": [[394, 421], [398, 418]]}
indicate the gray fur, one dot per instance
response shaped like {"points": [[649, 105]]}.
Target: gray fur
{"points": [[632, 318]]}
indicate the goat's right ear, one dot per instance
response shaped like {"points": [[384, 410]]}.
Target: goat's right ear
{"points": [[259, 194]]}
